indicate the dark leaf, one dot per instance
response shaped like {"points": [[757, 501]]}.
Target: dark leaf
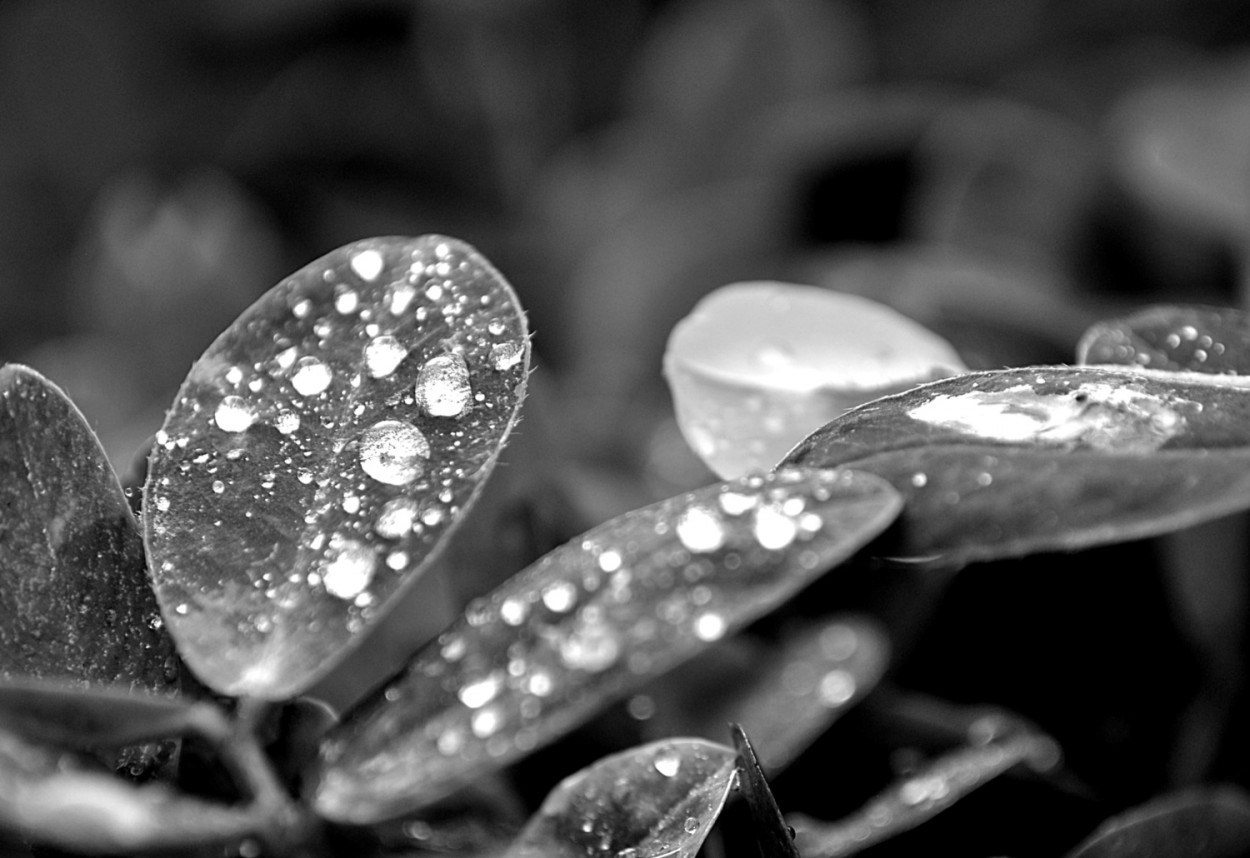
{"points": [[923, 795], [51, 801], [1213, 822], [657, 799], [774, 836], [588, 623], [1005, 463], [321, 449], [1184, 338]]}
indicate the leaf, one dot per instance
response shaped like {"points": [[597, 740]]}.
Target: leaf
{"points": [[1212, 821], [775, 838], [588, 623], [786, 699], [1005, 463], [1177, 338], [923, 795], [320, 451], [65, 715], [755, 367], [45, 798], [656, 799]]}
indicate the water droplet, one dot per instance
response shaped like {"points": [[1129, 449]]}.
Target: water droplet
{"points": [[667, 762], [382, 355], [735, 503], [396, 518], [774, 529], [286, 357], [234, 375], [443, 386], [700, 530], [836, 688], [486, 722], [434, 292], [348, 568], [477, 694], [301, 308], [162, 504], [559, 596], [920, 479], [506, 355], [392, 452], [710, 627], [311, 376], [496, 327], [610, 561], [346, 301], [591, 646], [287, 422], [432, 516], [367, 264], [397, 560], [351, 504], [513, 611], [234, 414], [691, 825], [218, 487]]}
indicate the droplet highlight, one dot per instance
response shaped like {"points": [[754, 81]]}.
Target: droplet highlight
{"points": [[393, 452], [442, 388]]}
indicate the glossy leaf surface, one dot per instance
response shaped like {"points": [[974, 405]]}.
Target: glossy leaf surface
{"points": [[656, 800], [48, 799], [1213, 822], [772, 833], [320, 450], [757, 366], [590, 622], [1173, 338], [1005, 463], [74, 596]]}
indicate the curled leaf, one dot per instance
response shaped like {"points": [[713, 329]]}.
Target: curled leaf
{"points": [[657, 799], [1182, 338], [757, 366], [1213, 821], [321, 449], [588, 623], [1005, 463]]}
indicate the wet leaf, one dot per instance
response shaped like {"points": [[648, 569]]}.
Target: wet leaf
{"points": [[774, 837], [50, 799], [916, 799], [70, 716], [656, 799], [588, 623], [1185, 338], [1211, 821], [74, 597], [757, 366], [321, 449], [1005, 463]]}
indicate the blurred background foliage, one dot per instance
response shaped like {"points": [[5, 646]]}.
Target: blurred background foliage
{"points": [[1004, 173]]}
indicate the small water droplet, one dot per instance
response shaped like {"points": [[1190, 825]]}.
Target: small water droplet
{"points": [[301, 308], [710, 627], [610, 561], [485, 722], [478, 693], [218, 487], [667, 762], [234, 375], [434, 292], [234, 414], [443, 386], [287, 422], [397, 560], [162, 504], [774, 529], [396, 518], [506, 355], [382, 355], [559, 596], [432, 516], [348, 568], [496, 327], [836, 688], [311, 376], [346, 301], [736, 503], [393, 452], [367, 264], [700, 530], [691, 825], [920, 479], [513, 611]]}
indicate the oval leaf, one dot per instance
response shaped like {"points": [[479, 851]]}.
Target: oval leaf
{"points": [[1174, 338], [74, 596], [757, 366], [1005, 463], [1172, 826], [321, 449], [589, 622], [657, 799]]}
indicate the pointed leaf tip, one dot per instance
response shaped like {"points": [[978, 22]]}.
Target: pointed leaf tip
{"points": [[588, 623], [320, 451]]}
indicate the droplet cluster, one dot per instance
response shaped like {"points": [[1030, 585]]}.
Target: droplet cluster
{"points": [[324, 443]]}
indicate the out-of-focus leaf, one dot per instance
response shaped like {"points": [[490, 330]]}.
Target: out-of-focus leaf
{"points": [[1212, 822], [1184, 338], [757, 366], [787, 698], [921, 796], [656, 799], [321, 449], [74, 597], [590, 622], [1004, 463], [70, 716], [47, 799], [774, 837]]}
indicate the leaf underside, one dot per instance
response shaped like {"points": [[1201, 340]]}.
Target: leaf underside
{"points": [[1006, 463], [656, 799], [588, 623], [322, 448]]}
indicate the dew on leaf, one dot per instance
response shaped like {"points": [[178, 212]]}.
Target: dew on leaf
{"points": [[348, 568], [443, 388], [396, 518], [701, 530], [346, 302], [367, 264], [311, 376], [383, 354], [506, 355], [234, 414], [393, 452]]}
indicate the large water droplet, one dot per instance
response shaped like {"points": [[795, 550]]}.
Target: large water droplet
{"points": [[393, 452], [667, 762], [478, 693], [443, 386], [774, 529], [234, 414], [700, 530], [382, 355], [348, 568], [397, 518], [367, 264], [506, 355], [311, 376]]}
